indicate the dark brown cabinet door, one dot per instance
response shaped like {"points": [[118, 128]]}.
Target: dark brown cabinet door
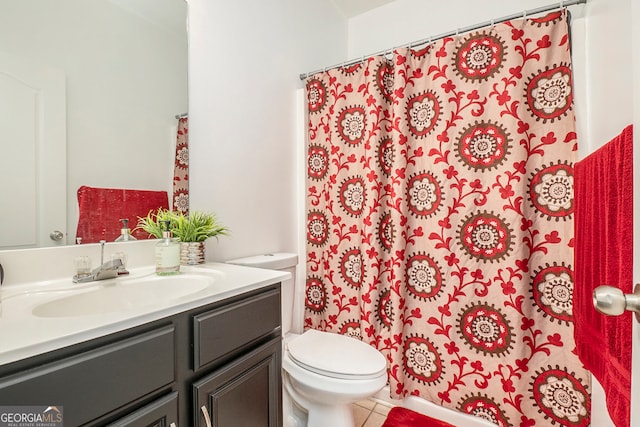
{"points": [[245, 392], [161, 413]]}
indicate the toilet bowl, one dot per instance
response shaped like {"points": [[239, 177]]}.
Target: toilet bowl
{"points": [[322, 372]]}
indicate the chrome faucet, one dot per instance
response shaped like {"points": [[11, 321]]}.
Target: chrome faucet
{"points": [[106, 270]]}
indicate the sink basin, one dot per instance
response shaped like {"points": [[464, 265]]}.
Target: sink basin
{"points": [[125, 295]]}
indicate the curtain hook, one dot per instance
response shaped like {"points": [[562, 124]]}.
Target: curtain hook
{"points": [[492, 23], [457, 32]]}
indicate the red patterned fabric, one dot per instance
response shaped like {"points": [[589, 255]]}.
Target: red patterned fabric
{"points": [[604, 256], [181, 168], [102, 208], [440, 220], [402, 417]]}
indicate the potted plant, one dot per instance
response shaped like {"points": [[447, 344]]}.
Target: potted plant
{"points": [[191, 230]]}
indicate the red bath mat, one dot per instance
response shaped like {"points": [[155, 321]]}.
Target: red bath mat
{"points": [[403, 417]]}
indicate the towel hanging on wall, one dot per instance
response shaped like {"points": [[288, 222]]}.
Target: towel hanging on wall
{"points": [[102, 208], [604, 255]]}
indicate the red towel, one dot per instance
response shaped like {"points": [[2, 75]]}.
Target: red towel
{"points": [[102, 208], [403, 417], [604, 255]]}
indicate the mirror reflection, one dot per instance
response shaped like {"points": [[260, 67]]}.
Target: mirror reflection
{"points": [[89, 93]]}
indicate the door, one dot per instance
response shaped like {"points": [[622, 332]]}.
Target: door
{"points": [[33, 165]]}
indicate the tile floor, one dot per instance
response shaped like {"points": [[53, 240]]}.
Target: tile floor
{"points": [[370, 413]]}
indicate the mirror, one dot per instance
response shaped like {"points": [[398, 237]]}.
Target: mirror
{"points": [[124, 79]]}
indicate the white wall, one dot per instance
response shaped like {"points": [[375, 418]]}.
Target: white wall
{"points": [[244, 60], [126, 79], [609, 69], [403, 21]]}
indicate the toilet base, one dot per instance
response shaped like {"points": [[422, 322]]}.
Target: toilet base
{"points": [[299, 412], [293, 415], [334, 416]]}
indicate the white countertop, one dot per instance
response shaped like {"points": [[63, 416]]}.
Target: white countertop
{"points": [[24, 334]]}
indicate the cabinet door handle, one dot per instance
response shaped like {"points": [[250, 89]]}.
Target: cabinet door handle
{"points": [[205, 413]]}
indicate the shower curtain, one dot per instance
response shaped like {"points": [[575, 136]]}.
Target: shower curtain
{"points": [[181, 168], [439, 219]]}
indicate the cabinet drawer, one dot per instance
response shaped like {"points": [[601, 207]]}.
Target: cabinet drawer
{"points": [[220, 332], [98, 381]]}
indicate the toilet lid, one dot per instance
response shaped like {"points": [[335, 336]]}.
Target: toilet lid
{"points": [[336, 356]]}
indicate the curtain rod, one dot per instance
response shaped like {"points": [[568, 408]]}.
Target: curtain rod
{"points": [[522, 14]]}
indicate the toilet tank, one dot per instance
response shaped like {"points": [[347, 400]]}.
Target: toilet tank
{"points": [[281, 261]]}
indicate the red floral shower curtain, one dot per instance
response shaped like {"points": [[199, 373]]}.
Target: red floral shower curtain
{"points": [[181, 168], [439, 220]]}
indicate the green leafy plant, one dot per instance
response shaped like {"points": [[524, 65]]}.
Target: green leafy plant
{"points": [[196, 227]]}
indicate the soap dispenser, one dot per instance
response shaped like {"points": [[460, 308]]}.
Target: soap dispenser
{"points": [[125, 233], [167, 253]]}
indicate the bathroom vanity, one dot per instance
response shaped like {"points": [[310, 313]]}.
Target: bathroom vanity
{"points": [[211, 358]]}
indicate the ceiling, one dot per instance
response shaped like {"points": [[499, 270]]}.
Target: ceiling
{"points": [[351, 8]]}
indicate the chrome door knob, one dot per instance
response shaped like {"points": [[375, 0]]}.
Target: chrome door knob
{"points": [[613, 302], [56, 235]]}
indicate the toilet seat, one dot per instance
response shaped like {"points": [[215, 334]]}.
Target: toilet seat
{"points": [[336, 356]]}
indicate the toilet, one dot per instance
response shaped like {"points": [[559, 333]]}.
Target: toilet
{"points": [[322, 373]]}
